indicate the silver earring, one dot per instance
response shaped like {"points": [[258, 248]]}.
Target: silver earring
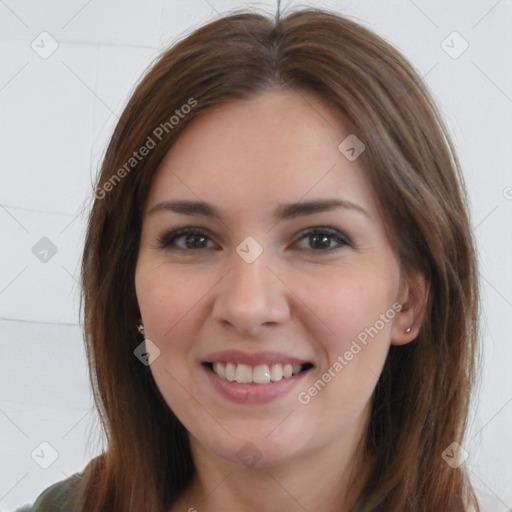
{"points": [[140, 328], [408, 329]]}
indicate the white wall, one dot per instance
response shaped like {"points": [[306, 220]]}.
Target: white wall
{"points": [[56, 116]]}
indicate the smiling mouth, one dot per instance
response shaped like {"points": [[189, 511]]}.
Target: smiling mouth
{"points": [[260, 374]]}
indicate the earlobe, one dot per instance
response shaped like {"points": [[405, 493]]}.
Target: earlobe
{"points": [[403, 337], [410, 318]]}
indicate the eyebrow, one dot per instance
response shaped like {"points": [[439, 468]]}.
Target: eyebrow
{"points": [[282, 212]]}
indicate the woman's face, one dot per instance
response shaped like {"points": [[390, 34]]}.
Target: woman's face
{"points": [[257, 292]]}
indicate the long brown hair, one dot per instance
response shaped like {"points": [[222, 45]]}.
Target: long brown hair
{"points": [[421, 401]]}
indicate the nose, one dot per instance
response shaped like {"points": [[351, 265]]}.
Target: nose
{"points": [[251, 297]]}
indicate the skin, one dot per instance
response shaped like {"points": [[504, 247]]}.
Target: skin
{"points": [[246, 157]]}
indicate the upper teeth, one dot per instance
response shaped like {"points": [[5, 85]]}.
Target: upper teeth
{"points": [[261, 374]]}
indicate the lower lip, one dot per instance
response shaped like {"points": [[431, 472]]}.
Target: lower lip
{"points": [[253, 393]]}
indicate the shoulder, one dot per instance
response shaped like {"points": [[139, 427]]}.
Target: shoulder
{"points": [[59, 497]]}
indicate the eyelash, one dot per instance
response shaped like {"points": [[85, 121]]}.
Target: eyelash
{"points": [[168, 238]]}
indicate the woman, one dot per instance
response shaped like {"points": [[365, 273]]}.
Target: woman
{"points": [[279, 282]]}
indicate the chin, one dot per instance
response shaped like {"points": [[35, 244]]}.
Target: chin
{"points": [[254, 451]]}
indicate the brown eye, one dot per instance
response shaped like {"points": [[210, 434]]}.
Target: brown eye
{"points": [[193, 239], [320, 239]]}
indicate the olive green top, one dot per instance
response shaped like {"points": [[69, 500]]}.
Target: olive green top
{"points": [[59, 497], [56, 498]]}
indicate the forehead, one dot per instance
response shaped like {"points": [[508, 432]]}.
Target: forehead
{"points": [[276, 147]]}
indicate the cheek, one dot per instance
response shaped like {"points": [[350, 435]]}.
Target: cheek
{"points": [[166, 301], [351, 324], [351, 301], [352, 343], [165, 298]]}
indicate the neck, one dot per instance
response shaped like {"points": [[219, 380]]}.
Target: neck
{"points": [[315, 481]]}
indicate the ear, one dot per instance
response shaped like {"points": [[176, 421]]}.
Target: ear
{"points": [[413, 296]]}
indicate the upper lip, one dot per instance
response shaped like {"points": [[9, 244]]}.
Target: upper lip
{"points": [[237, 356]]}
